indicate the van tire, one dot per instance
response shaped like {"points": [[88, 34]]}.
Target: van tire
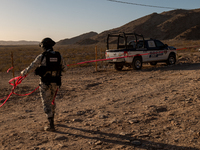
{"points": [[171, 59], [137, 63]]}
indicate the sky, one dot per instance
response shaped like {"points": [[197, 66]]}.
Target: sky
{"points": [[33, 20]]}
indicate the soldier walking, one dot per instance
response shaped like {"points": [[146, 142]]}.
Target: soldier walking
{"points": [[48, 66]]}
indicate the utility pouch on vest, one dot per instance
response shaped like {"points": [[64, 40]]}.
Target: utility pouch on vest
{"points": [[47, 79], [40, 71]]}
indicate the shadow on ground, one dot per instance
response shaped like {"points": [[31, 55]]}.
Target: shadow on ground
{"points": [[122, 139], [184, 66]]}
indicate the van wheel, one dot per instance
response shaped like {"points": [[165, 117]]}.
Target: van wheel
{"points": [[153, 63], [171, 59], [137, 63], [118, 67]]}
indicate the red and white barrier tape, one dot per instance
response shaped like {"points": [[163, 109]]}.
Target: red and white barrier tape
{"points": [[90, 61], [187, 47], [19, 79]]}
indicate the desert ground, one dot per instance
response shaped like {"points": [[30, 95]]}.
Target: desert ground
{"points": [[154, 108]]}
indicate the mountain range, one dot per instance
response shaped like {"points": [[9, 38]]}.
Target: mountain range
{"points": [[22, 42], [175, 25]]}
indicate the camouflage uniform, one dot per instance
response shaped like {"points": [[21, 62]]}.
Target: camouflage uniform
{"points": [[47, 92]]}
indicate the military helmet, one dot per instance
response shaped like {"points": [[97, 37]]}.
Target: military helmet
{"points": [[47, 42]]}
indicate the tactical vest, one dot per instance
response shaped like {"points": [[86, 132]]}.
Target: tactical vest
{"points": [[53, 64]]}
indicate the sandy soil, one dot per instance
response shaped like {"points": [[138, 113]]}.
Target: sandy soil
{"points": [[155, 108]]}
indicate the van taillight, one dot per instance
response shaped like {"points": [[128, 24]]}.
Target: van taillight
{"points": [[106, 54], [125, 53]]}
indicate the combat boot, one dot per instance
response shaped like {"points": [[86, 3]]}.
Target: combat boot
{"points": [[50, 127], [51, 123]]}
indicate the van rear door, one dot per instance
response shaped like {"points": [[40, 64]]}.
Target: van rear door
{"points": [[151, 52]]}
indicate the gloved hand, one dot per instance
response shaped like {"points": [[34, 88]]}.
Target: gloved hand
{"points": [[23, 73]]}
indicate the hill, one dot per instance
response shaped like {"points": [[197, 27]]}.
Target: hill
{"points": [[22, 42], [76, 39], [175, 24]]}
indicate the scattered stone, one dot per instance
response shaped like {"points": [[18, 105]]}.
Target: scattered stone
{"points": [[133, 121], [161, 109], [86, 124], [65, 111], [61, 145], [46, 128], [136, 142], [198, 133], [159, 146], [13, 134], [35, 148], [22, 117], [106, 124], [27, 111], [176, 140], [175, 123], [167, 128], [102, 116], [77, 120], [98, 143], [120, 147], [80, 113], [60, 138], [90, 142], [27, 131], [188, 100], [127, 140], [91, 111], [115, 121], [31, 138], [122, 133]]}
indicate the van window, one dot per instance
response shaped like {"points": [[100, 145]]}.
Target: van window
{"points": [[132, 43], [151, 44], [140, 44], [159, 44]]}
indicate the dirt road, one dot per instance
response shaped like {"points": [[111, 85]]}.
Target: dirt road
{"points": [[155, 108]]}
